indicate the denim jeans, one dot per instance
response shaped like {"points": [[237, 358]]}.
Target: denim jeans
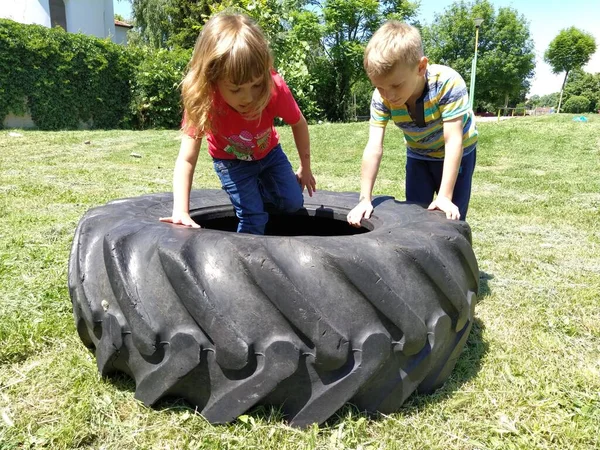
{"points": [[251, 184], [424, 177]]}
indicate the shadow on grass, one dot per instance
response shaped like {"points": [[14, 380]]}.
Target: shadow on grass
{"points": [[484, 287]]}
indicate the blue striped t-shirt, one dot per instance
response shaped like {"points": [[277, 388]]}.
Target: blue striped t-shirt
{"points": [[444, 98]]}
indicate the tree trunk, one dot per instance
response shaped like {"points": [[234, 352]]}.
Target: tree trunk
{"points": [[561, 91]]}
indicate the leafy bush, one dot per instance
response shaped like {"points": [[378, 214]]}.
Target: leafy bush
{"points": [[156, 99], [63, 78], [577, 104]]}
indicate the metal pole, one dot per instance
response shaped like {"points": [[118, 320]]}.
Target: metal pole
{"points": [[473, 69]]}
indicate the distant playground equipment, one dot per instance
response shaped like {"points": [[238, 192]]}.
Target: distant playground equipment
{"points": [[522, 111], [516, 111]]}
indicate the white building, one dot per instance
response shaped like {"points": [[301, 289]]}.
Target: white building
{"points": [[92, 17], [121, 29]]}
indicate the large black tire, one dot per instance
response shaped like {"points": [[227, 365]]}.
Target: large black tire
{"points": [[309, 321]]}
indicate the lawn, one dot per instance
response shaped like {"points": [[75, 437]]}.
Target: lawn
{"points": [[529, 376]]}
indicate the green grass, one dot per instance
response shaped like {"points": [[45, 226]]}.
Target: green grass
{"points": [[529, 376]]}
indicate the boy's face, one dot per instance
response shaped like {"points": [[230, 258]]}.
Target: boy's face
{"points": [[402, 83]]}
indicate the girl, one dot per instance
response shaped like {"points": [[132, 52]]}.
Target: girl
{"points": [[231, 95]]}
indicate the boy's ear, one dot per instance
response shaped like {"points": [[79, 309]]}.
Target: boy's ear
{"points": [[423, 65]]}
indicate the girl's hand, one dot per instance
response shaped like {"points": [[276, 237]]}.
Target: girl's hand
{"points": [[363, 209], [306, 180], [445, 204], [180, 219]]}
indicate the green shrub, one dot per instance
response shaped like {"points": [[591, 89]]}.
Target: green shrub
{"points": [[63, 78], [577, 104], [156, 98]]}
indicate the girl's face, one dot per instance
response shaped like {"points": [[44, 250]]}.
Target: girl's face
{"points": [[241, 97]]}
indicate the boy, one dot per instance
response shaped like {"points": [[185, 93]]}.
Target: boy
{"points": [[431, 105]]}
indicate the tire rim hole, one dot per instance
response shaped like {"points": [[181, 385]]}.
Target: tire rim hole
{"points": [[306, 222]]}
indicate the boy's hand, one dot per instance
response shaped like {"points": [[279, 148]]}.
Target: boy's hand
{"points": [[363, 209], [306, 180], [180, 219], [445, 204]]}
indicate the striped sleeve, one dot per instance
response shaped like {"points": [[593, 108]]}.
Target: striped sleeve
{"points": [[453, 97], [380, 112]]}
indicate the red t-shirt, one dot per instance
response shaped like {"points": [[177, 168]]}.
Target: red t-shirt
{"points": [[235, 137]]}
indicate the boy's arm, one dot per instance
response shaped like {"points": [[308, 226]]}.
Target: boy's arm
{"points": [[302, 141], [453, 140], [368, 174], [183, 175]]}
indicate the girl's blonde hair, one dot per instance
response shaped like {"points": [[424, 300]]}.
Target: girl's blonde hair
{"points": [[232, 47], [392, 44]]}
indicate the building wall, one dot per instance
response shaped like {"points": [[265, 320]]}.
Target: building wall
{"points": [[92, 17], [120, 35], [26, 11]]}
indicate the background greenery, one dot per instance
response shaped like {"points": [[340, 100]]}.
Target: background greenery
{"points": [[529, 376], [63, 79], [66, 80], [70, 80]]}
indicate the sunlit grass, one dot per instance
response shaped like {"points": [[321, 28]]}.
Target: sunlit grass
{"points": [[529, 376]]}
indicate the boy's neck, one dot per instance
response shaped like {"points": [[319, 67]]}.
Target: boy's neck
{"points": [[418, 91]]}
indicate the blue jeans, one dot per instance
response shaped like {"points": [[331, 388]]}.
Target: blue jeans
{"points": [[251, 184], [424, 177]]}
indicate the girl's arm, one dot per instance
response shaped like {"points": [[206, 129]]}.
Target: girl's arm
{"points": [[182, 182], [302, 141], [368, 173], [453, 140]]}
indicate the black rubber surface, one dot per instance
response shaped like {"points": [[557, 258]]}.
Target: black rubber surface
{"points": [[311, 316]]}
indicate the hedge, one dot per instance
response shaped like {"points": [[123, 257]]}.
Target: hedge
{"points": [[577, 104], [63, 79]]}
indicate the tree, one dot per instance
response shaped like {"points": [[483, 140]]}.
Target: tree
{"points": [[571, 49], [187, 19], [549, 100], [318, 47], [151, 23], [505, 57], [348, 26]]}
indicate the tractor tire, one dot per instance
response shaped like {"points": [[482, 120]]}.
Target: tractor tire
{"points": [[310, 316]]}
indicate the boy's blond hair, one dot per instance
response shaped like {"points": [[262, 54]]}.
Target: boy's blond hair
{"points": [[230, 47], [392, 44]]}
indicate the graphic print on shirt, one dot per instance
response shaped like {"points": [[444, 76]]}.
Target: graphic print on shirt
{"points": [[243, 145]]}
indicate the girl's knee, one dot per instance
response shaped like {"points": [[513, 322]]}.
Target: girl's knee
{"points": [[292, 203], [253, 223]]}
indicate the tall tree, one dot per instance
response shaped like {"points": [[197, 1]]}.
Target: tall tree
{"points": [[571, 49], [151, 22], [348, 26], [187, 19], [505, 56]]}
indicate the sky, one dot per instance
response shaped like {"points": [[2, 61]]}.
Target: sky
{"points": [[546, 18]]}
